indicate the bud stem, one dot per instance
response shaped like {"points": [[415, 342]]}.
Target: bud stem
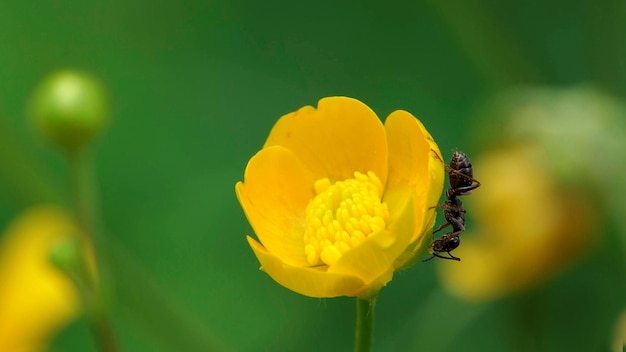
{"points": [[86, 209]]}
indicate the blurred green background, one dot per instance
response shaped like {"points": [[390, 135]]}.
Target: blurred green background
{"points": [[197, 85]]}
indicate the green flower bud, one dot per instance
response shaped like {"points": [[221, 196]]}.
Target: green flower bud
{"points": [[66, 255], [69, 108], [72, 256]]}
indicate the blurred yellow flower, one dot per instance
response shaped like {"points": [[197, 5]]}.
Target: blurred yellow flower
{"points": [[339, 201], [36, 299], [619, 340], [524, 228], [550, 181]]}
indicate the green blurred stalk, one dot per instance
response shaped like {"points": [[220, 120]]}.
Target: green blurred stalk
{"points": [[364, 330], [28, 182], [23, 178], [428, 332], [85, 196], [155, 310], [605, 21], [87, 214]]}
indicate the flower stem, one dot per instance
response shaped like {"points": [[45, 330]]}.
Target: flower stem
{"points": [[87, 215], [364, 330], [103, 332]]}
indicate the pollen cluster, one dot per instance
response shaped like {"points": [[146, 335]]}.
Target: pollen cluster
{"points": [[342, 215]]}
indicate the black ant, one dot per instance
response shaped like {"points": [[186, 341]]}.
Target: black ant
{"points": [[462, 182]]}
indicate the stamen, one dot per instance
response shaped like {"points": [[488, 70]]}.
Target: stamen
{"points": [[342, 215]]}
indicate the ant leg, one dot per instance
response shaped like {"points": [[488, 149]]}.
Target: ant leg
{"points": [[437, 155], [429, 258], [466, 188], [443, 226], [455, 233], [469, 188], [457, 172], [451, 257], [460, 191], [457, 226], [448, 206]]}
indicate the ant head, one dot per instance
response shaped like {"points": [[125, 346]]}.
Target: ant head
{"points": [[446, 243], [452, 242]]}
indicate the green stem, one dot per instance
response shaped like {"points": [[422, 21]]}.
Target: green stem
{"points": [[87, 215], [103, 332], [364, 331], [83, 187]]}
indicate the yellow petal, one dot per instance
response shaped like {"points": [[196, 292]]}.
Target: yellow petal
{"points": [[408, 151], [308, 281], [414, 162], [436, 175], [418, 239], [36, 299], [374, 257], [338, 138], [274, 196]]}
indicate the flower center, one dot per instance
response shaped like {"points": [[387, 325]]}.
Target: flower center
{"points": [[342, 215]]}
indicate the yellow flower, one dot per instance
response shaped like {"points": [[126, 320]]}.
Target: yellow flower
{"points": [[524, 228], [619, 340], [36, 299], [549, 180], [338, 201]]}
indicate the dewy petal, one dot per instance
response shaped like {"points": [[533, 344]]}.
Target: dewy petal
{"points": [[308, 281], [274, 196], [340, 137]]}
